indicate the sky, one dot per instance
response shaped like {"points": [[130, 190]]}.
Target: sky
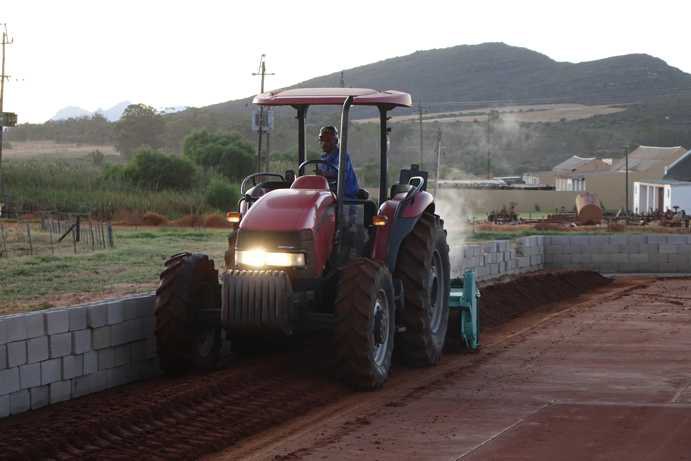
{"points": [[94, 54]]}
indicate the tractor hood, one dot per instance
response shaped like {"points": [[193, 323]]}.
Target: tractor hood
{"points": [[289, 210]]}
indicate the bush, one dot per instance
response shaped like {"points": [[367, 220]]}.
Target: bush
{"points": [[228, 154], [222, 195], [154, 170]]}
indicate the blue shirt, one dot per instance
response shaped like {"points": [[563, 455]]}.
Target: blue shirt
{"points": [[351, 185]]}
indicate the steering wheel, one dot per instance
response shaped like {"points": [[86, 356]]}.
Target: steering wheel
{"points": [[332, 182], [244, 187]]}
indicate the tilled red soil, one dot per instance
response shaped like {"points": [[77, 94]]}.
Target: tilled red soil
{"points": [[502, 302], [187, 417]]}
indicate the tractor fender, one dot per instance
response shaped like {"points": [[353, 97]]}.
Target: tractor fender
{"points": [[402, 217]]}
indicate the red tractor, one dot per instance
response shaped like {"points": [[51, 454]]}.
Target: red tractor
{"points": [[302, 257]]}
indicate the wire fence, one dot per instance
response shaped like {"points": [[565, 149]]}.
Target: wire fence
{"points": [[54, 234]]}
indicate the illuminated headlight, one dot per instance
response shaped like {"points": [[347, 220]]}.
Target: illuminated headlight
{"points": [[262, 258]]}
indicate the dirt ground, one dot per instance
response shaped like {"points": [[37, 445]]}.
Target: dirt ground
{"points": [[605, 378], [603, 374]]}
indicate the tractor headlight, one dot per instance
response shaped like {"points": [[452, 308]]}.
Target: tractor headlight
{"points": [[262, 258]]}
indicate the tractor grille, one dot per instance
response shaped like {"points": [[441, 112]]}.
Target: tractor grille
{"points": [[257, 301]]}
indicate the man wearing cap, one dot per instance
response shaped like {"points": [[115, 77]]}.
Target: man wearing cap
{"points": [[328, 139]]}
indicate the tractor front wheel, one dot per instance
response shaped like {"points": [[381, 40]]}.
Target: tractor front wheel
{"points": [[423, 266], [185, 339], [366, 323]]}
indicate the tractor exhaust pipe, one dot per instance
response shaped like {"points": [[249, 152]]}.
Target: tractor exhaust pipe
{"points": [[340, 188]]}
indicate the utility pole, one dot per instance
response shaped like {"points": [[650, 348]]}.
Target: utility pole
{"points": [[342, 82], [262, 73], [437, 167], [626, 154], [5, 41], [491, 116], [422, 155]]}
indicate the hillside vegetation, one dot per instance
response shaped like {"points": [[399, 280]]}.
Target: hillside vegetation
{"points": [[654, 109]]}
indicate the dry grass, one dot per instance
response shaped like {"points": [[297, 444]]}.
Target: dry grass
{"points": [[29, 149]]}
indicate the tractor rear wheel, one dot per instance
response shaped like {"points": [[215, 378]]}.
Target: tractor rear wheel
{"points": [[366, 323], [423, 266], [189, 284]]}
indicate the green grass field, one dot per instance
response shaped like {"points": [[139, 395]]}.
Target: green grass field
{"points": [[37, 282]]}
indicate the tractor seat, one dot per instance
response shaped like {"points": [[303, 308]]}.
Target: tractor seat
{"points": [[310, 182], [400, 189]]}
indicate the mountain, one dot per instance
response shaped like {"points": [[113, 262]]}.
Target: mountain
{"points": [[70, 112], [496, 73], [114, 113]]}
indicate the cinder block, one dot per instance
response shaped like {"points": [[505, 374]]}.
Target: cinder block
{"points": [[638, 258], [106, 359], [143, 306], [35, 324], [4, 406], [40, 397], [635, 239], [90, 362], [100, 338], [9, 380], [30, 375], [619, 258], [72, 366], [19, 402], [523, 262], [677, 239], [666, 248], [60, 391], [81, 341], [16, 353], [51, 371], [78, 318], [3, 356], [57, 321], [121, 355], [91, 383], [3, 331], [97, 315], [15, 328], [60, 345], [124, 332], [581, 258], [115, 312], [38, 349], [148, 327], [656, 238], [121, 375]]}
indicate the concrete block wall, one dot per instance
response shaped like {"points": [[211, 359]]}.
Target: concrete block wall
{"points": [[498, 258], [627, 253], [54, 355]]}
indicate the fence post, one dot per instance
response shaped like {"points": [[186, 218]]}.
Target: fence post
{"points": [[28, 234], [3, 241], [50, 236], [91, 234], [110, 234]]}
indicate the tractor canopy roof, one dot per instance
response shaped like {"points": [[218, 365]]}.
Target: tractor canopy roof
{"points": [[333, 96]]}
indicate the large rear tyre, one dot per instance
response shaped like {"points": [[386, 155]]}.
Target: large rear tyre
{"points": [[423, 266], [366, 324], [189, 288]]}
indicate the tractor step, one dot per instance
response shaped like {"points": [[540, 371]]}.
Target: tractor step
{"points": [[464, 296]]}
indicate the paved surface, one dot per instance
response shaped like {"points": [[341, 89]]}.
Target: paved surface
{"points": [[607, 377]]}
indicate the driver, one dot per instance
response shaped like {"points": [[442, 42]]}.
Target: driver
{"points": [[328, 139]]}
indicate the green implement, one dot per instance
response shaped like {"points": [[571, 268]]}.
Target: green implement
{"points": [[464, 296]]}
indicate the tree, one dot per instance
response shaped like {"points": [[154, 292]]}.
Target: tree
{"points": [[227, 154], [154, 170], [140, 125]]}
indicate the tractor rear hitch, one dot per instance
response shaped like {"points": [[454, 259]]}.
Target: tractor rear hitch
{"points": [[464, 298]]}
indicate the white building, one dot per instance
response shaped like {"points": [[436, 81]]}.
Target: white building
{"points": [[662, 195]]}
